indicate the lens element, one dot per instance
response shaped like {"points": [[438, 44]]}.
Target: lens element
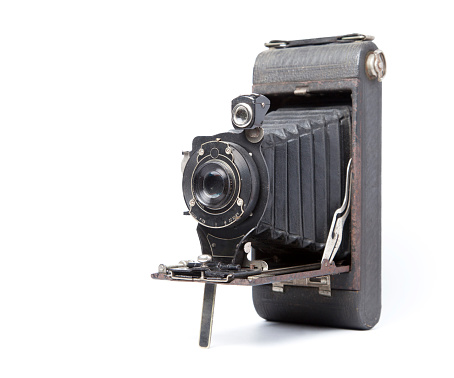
{"points": [[213, 184]]}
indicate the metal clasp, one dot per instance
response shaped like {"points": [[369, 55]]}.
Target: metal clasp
{"points": [[323, 283]]}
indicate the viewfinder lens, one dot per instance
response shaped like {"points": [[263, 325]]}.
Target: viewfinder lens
{"points": [[242, 115]]}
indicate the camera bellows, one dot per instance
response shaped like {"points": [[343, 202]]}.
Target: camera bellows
{"points": [[306, 151]]}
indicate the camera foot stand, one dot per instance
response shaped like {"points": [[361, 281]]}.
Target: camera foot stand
{"points": [[206, 324]]}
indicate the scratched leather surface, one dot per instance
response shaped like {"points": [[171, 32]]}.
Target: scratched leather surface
{"points": [[309, 63]]}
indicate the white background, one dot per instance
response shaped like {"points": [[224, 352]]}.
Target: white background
{"points": [[97, 101]]}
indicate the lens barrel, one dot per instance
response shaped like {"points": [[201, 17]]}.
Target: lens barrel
{"points": [[220, 183]]}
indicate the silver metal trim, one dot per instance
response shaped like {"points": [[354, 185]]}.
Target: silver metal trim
{"points": [[254, 135], [201, 279], [359, 37], [276, 44], [186, 156], [259, 264], [249, 113], [323, 283], [376, 65], [337, 225]]}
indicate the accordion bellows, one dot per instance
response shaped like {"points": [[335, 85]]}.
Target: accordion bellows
{"points": [[306, 151]]}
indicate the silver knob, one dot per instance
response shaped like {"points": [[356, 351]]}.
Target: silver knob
{"points": [[204, 259], [376, 65]]}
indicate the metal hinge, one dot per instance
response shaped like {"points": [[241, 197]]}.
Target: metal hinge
{"points": [[323, 283]]}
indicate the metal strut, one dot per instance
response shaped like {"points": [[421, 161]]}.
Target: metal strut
{"points": [[206, 324], [334, 239]]}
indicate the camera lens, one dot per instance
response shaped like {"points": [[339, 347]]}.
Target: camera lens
{"points": [[221, 185], [241, 115], [213, 184]]}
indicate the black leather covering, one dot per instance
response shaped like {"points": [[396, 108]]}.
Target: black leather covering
{"points": [[333, 61], [356, 297]]}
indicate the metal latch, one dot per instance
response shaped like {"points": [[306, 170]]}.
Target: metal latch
{"points": [[323, 283]]}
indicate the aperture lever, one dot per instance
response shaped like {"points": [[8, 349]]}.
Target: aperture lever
{"points": [[209, 297], [334, 239]]}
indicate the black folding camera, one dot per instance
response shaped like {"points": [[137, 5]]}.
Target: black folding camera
{"points": [[289, 202]]}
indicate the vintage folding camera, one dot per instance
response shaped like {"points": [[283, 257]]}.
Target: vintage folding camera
{"points": [[289, 201]]}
